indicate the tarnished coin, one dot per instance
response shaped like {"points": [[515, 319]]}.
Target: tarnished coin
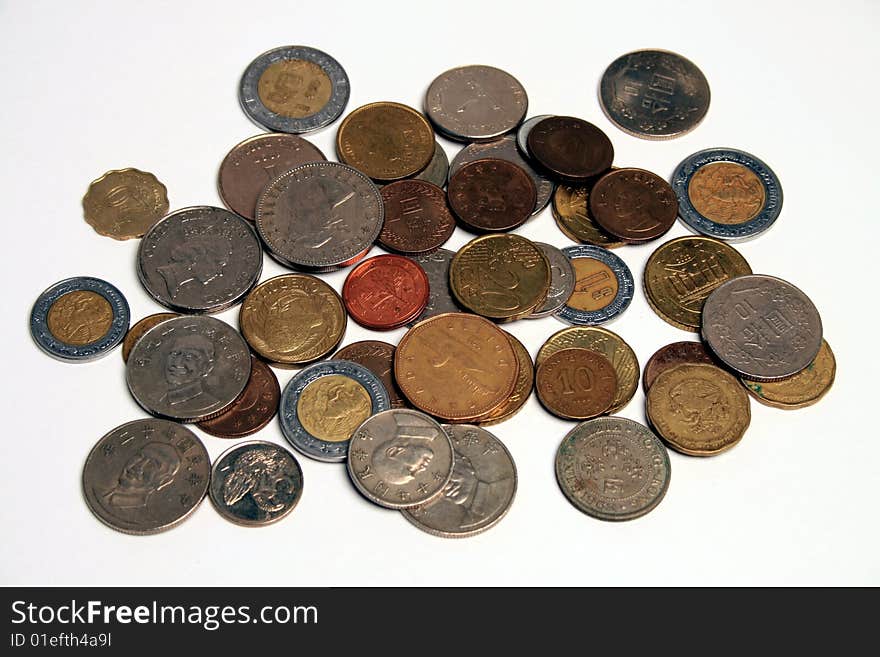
{"points": [[79, 319], [417, 217], [255, 483], [400, 458], [654, 94], [323, 405], [525, 381], [633, 204], [761, 327], [503, 277], [293, 319], [385, 292], [522, 133], [294, 89], [576, 384], [437, 170], [572, 214], [612, 468], [378, 357], [803, 389], [320, 216], [726, 193], [571, 149], [698, 409], [255, 162], [146, 476], [137, 331], [188, 369], [491, 195], [682, 272], [440, 299], [200, 260], [603, 286], [254, 408], [125, 203], [480, 491], [475, 103], [561, 281], [670, 355]]}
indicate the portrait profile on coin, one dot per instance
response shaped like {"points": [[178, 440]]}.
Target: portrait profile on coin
{"points": [[476, 497], [400, 459], [261, 475], [151, 469], [326, 209], [187, 365], [200, 260]]}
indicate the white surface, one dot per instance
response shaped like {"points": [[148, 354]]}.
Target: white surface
{"points": [[92, 86]]}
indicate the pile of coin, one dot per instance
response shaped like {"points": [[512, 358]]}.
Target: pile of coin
{"points": [[409, 420]]}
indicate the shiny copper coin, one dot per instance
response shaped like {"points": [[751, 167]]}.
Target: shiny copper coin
{"points": [[633, 204], [571, 149], [385, 292], [135, 332], [525, 381], [378, 357], [670, 355], [491, 195], [576, 384], [417, 217], [254, 408]]}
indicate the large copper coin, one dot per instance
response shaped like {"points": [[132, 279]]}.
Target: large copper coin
{"points": [[572, 214], [124, 204], [417, 217], [491, 195], [456, 366], [525, 381], [570, 148], [378, 357], [633, 204], [137, 331], [803, 389], [254, 408], [576, 384], [670, 355], [385, 292]]}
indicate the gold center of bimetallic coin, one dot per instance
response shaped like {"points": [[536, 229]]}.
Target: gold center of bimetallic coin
{"points": [[80, 317], [295, 88], [595, 285], [332, 407], [726, 193]]}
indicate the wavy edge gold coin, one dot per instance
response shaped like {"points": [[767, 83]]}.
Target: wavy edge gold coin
{"points": [[801, 390], [92, 209], [594, 235], [140, 327], [525, 381]]}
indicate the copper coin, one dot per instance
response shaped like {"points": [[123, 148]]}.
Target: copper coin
{"points": [[570, 148], [254, 408], [492, 195], [525, 381], [417, 217], [674, 354], [378, 357], [386, 291], [135, 332], [633, 204], [576, 384]]}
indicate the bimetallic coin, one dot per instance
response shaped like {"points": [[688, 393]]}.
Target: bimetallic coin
{"points": [[522, 133], [761, 327], [727, 194], [323, 405], [561, 281], [417, 217], [670, 355], [572, 214], [654, 94], [612, 468], [200, 260], [400, 458], [137, 331], [633, 204], [480, 491], [803, 389], [378, 357], [603, 286], [525, 381], [188, 369], [440, 299], [254, 408], [255, 483], [491, 195], [385, 292], [294, 89], [146, 476], [570, 148], [125, 203], [79, 319], [576, 384]]}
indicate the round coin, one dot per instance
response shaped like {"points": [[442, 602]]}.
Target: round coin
{"points": [[525, 381], [378, 357], [633, 204], [576, 384], [385, 292], [125, 203], [803, 389], [570, 148], [137, 331], [603, 286], [146, 476], [440, 299], [572, 215], [522, 133], [491, 195], [437, 170], [670, 355], [561, 281], [417, 217], [254, 408]]}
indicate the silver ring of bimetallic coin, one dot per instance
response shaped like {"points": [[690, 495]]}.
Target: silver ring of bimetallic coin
{"points": [[621, 301]]}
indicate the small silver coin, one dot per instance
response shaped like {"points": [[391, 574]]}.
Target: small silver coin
{"points": [[90, 328], [188, 369], [437, 170], [400, 458], [479, 493], [146, 476], [561, 281], [522, 133], [200, 260], [288, 87], [255, 483], [440, 298], [320, 421], [761, 327], [620, 301]]}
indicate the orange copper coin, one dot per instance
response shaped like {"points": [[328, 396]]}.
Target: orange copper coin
{"points": [[386, 291], [576, 384], [254, 408], [727, 193], [136, 332]]}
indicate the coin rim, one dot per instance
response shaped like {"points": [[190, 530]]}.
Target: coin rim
{"points": [[621, 301]]}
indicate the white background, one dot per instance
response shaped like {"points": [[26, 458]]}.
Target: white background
{"points": [[93, 86]]}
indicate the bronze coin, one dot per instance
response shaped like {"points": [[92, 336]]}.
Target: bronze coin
{"points": [[385, 292], [378, 357], [576, 384], [669, 356], [492, 195], [417, 217], [525, 381], [254, 408], [633, 204], [135, 332], [570, 148]]}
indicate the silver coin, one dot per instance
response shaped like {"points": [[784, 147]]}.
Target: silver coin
{"points": [[522, 133], [437, 170], [654, 94], [479, 493], [475, 103], [87, 328], [440, 298], [621, 299], [188, 369], [323, 405], [747, 198], [146, 476], [200, 260], [505, 149], [320, 216], [561, 281], [288, 87], [400, 458], [762, 327], [612, 468], [255, 483]]}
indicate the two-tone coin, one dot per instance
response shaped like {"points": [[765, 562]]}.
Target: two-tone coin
{"points": [[562, 281], [440, 297], [491, 195], [417, 217], [571, 211], [385, 292], [633, 205], [252, 410], [603, 286], [570, 149], [576, 383], [125, 203], [803, 389], [378, 357]]}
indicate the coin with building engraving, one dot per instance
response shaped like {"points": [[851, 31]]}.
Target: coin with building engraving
{"points": [[525, 381], [139, 328], [440, 298], [385, 292], [125, 203], [670, 355], [576, 384], [803, 389], [378, 357], [561, 281], [603, 286], [417, 217], [252, 410], [572, 215], [570, 149], [491, 195], [633, 204]]}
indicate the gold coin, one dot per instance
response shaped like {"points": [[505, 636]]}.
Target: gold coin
{"points": [[521, 391], [726, 193], [456, 366], [137, 331], [80, 317], [609, 344], [803, 389], [595, 285], [125, 203], [292, 319], [349, 400], [681, 274], [295, 88], [500, 276], [386, 141], [571, 211], [698, 409]]}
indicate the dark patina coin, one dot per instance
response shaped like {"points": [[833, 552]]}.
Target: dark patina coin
{"points": [[571, 149], [492, 195], [378, 357], [254, 408], [633, 204], [417, 217], [670, 355]]}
